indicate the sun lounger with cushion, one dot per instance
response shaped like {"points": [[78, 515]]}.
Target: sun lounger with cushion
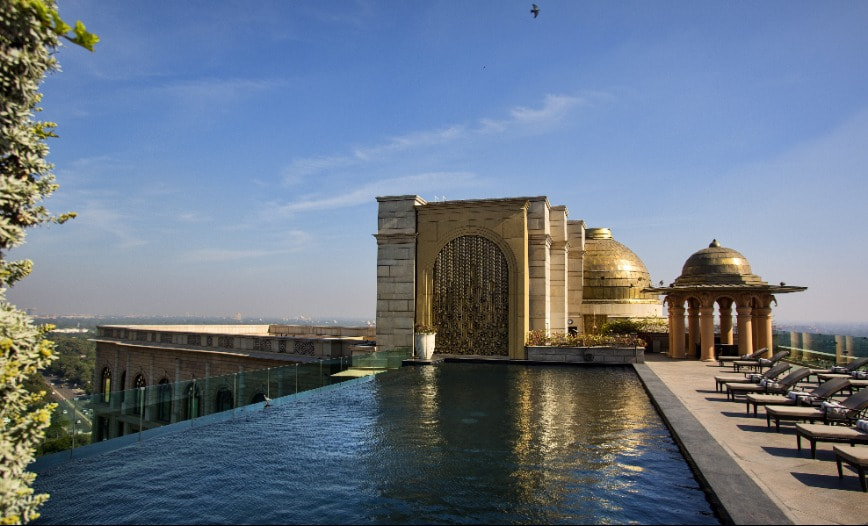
{"points": [[762, 362], [750, 378], [768, 385], [851, 370], [856, 457], [822, 433], [753, 356], [825, 391], [848, 411]]}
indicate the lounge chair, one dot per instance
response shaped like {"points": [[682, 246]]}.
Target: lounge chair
{"points": [[768, 385], [762, 362], [841, 372], [824, 392], [750, 378], [754, 356], [856, 384], [822, 433], [850, 409], [856, 457]]}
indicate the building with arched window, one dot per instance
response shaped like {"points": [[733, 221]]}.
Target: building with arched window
{"points": [[485, 272]]}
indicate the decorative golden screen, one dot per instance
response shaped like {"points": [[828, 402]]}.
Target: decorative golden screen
{"points": [[471, 298]]}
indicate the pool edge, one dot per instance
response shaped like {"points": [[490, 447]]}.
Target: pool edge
{"points": [[735, 496]]}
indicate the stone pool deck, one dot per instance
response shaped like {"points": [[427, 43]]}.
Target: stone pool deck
{"points": [[758, 475]]}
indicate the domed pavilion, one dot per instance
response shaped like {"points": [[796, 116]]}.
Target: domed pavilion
{"points": [[719, 276]]}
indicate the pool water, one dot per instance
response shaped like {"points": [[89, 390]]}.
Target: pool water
{"points": [[452, 443]]}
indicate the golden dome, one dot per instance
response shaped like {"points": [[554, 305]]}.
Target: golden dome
{"points": [[717, 265], [612, 272]]}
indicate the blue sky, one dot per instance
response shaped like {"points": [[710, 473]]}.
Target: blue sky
{"points": [[225, 156]]}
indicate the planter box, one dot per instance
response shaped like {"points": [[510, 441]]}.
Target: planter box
{"points": [[586, 355]]}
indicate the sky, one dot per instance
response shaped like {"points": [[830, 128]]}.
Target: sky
{"points": [[225, 157]]}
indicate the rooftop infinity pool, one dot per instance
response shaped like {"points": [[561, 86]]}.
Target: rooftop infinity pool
{"points": [[451, 443]]}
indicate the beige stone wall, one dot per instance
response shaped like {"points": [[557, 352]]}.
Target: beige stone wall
{"points": [[396, 271], [502, 221]]}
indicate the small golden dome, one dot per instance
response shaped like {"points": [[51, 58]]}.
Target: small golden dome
{"points": [[612, 272], [717, 265]]}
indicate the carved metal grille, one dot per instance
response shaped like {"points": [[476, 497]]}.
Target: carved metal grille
{"points": [[304, 347], [471, 298]]}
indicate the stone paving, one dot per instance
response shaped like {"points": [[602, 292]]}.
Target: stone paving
{"points": [[806, 491]]}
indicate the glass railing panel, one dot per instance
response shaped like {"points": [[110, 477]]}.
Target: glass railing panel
{"points": [[821, 350], [97, 417]]}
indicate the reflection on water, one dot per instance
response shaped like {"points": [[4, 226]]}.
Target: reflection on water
{"points": [[455, 443]]}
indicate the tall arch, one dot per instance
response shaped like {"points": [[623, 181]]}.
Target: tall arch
{"points": [[470, 304], [106, 384]]}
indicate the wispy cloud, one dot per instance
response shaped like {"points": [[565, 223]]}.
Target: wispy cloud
{"points": [[392, 186], [553, 110], [99, 217]]}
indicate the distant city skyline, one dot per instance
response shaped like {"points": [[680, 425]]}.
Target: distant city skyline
{"points": [[225, 157]]}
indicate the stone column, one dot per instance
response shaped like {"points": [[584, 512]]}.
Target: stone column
{"points": [[763, 326], [693, 329], [706, 324], [745, 334], [676, 327], [559, 291], [575, 274], [396, 271], [725, 320], [539, 244]]}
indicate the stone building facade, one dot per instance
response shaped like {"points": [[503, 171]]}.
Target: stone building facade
{"points": [[149, 376], [485, 272]]}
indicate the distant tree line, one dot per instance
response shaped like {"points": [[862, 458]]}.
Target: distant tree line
{"points": [[75, 360]]}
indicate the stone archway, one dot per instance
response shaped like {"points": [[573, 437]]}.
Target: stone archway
{"points": [[471, 298]]}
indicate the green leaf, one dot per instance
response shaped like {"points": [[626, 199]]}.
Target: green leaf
{"points": [[83, 37]]}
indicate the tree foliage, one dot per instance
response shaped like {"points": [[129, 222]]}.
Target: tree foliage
{"points": [[30, 33]]}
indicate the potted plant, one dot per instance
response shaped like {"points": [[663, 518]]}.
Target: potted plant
{"points": [[424, 341]]}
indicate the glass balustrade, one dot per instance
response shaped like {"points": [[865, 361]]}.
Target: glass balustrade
{"points": [[821, 350], [104, 417]]}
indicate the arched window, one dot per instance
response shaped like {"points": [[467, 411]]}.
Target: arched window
{"points": [[223, 401], [106, 384], [139, 385], [164, 401]]}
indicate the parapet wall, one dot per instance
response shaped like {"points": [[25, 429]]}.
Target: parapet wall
{"points": [[587, 355]]}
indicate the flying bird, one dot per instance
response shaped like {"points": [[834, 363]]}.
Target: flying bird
{"points": [[535, 10]]}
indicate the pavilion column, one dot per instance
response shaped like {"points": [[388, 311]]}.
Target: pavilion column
{"points": [[725, 320], [676, 327], [706, 327], [693, 331], [763, 326], [745, 323]]}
